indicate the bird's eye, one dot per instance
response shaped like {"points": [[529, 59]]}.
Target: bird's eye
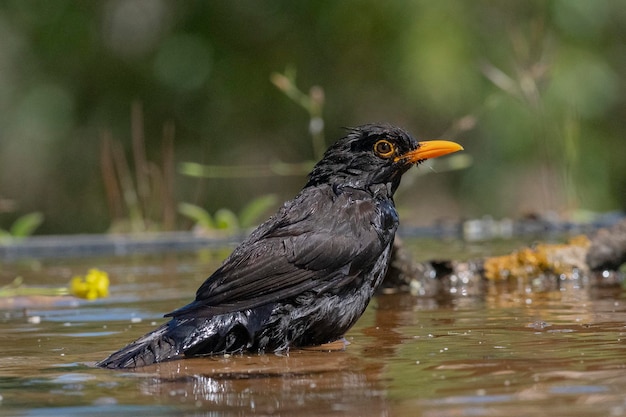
{"points": [[384, 148]]}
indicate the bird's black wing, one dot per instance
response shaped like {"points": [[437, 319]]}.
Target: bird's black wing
{"points": [[312, 244]]}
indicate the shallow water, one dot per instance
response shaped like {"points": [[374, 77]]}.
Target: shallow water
{"points": [[559, 353]]}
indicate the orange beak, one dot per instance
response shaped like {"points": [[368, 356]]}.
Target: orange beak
{"points": [[428, 150]]}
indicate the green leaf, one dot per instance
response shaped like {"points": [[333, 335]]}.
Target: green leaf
{"points": [[26, 224], [226, 219], [193, 169], [251, 213], [197, 214]]}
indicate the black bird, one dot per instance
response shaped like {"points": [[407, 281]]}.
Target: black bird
{"points": [[306, 275]]}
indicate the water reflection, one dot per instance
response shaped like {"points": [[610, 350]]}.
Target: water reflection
{"points": [[351, 381], [416, 357], [301, 383], [509, 350]]}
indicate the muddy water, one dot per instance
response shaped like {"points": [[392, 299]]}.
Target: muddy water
{"points": [[560, 353]]}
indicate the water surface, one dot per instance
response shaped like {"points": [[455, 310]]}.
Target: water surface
{"points": [[557, 353]]}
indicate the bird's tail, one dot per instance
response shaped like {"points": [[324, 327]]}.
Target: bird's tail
{"points": [[226, 333], [157, 346]]}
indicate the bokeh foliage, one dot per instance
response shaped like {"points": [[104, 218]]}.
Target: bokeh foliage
{"points": [[533, 89]]}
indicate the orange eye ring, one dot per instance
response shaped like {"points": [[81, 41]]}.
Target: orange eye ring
{"points": [[384, 149]]}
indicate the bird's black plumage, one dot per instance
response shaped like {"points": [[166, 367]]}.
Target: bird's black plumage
{"points": [[306, 275]]}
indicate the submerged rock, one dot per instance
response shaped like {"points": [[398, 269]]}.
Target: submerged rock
{"points": [[583, 261]]}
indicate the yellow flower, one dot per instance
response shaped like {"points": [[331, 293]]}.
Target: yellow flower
{"points": [[94, 285]]}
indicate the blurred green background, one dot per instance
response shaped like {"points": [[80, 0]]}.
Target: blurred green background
{"points": [[534, 90]]}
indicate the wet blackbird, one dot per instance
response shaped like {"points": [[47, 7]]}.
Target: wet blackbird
{"points": [[306, 275]]}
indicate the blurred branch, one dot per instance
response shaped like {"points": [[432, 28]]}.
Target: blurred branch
{"points": [[313, 103], [147, 201], [169, 171], [142, 171], [501, 80], [194, 169], [556, 135], [460, 125]]}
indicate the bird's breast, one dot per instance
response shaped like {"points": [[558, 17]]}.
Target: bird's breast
{"points": [[366, 215], [388, 215]]}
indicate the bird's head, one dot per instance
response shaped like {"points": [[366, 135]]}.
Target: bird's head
{"points": [[375, 154]]}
